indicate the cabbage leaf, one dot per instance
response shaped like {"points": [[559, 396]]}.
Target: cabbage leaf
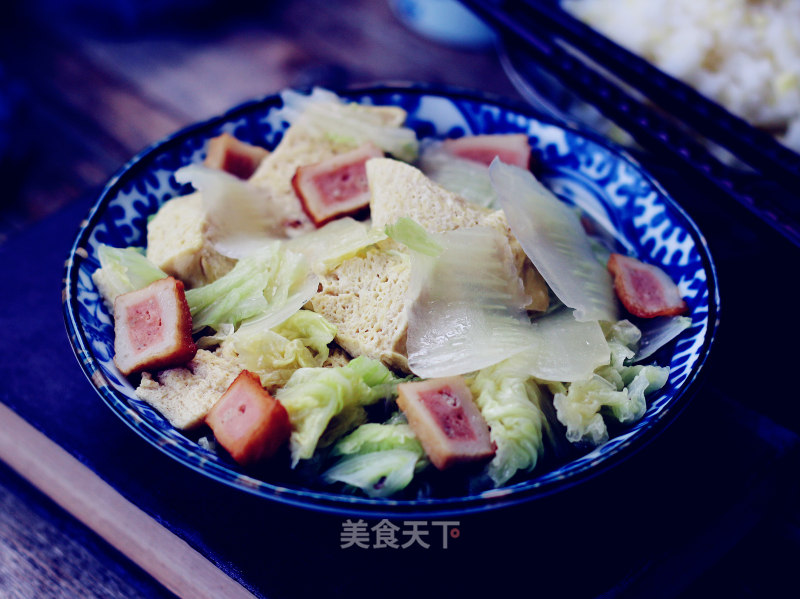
{"points": [[657, 332], [372, 437], [241, 217], [378, 474], [331, 401], [379, 459], [301, 341], [123, 270], [268, 285], [617, 390], [510, 401], [466, 305], [564, 349], [414, 236], [333, 243], [467, 178], [325, 112], [552, 236]]}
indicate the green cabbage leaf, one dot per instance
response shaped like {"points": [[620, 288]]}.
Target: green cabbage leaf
{"points": [[325, 403], [379, 459], [123, 270], [325, 112], [333, 243], [301, 341], [414, 236], [269, 285], [617, 390], [511, 403]]}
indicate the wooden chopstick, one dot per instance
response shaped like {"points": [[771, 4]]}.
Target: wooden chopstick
{"points": [[660, 135]]}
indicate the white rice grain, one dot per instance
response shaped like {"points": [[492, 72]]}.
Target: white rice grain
{"points": [[744, 54]]}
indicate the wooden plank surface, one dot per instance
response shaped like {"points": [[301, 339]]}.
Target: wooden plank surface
{"points": [[45, 554], [30, 566]]}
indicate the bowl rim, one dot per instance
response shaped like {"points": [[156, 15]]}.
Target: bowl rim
{"points": [[347, 505]]}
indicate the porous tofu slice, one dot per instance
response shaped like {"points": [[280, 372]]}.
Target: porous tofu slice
{"points": [[445, 419], [152, 328], [185, 395], [399, 189], [177, 242], [364, 297], [248, 422], [234, 156], [303, 145], [337, 357]]}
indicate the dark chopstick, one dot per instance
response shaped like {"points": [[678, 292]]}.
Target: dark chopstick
{"points": [[654, 132], [752, 146]]}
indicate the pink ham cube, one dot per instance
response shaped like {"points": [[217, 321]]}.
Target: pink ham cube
{"points": [[445, 419], [248, 422], [153, 328]]}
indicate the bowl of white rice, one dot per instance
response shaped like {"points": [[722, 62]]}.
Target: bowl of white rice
{"points": [[743, 54]]}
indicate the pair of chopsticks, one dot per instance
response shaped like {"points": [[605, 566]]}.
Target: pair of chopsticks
{"points": [[535, 28]]}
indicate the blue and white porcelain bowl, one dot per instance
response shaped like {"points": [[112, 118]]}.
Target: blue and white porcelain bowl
{"points": [[600, 178]]}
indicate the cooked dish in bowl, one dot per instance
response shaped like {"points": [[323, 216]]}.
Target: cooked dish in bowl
{"points": [[396, 299]]}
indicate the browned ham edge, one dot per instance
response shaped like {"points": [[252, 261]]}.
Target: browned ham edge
{"points": [[445, 419], [511, 148], [153, 328], [249, 422], [335, 187], [234, 156], [645, 290]]}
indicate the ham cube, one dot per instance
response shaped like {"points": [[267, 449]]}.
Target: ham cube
{"points": [[234, 156], [644, 289], [445, 419], [248, 422], [153, 328], [337, 186], [511, 148]]}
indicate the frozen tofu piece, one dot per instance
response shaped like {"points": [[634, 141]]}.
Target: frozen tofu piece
{"points": [[184, 395], [335, 187], [248, 422], [337, 357], [152, 328], [445, 419], [399, 189], [177, 242], [227, 153], [364, 298], [303, 145]]}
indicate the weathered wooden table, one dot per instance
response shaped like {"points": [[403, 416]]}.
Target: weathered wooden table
{"points": [[86, 93]]}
